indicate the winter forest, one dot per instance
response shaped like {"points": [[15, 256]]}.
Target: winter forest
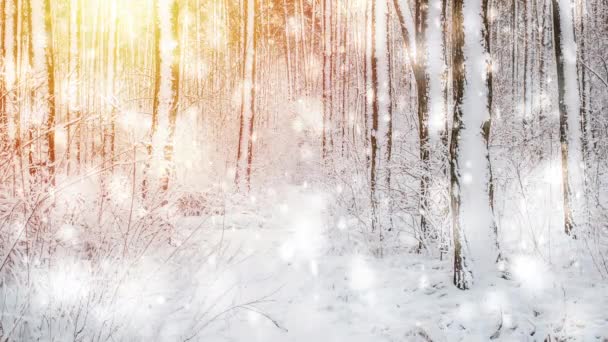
{"points": [[304, 170]]}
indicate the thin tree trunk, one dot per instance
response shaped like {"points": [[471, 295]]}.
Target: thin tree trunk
{"points": [[3, 114], [247, 91], [569, 111], [155, 96], [50, 69], [175, 92], [252, 89], [422, 85]]}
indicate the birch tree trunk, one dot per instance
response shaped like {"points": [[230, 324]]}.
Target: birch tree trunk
{"points": [[246, 119], [381, 118], [474, 230], [569, 113]]}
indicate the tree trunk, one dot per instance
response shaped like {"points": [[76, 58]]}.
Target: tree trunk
{"points": [[246, 119], [422, 85], [155, 96], [252, 96], [50, 70], [174, 96], [381, 116], [569, 111], [463, 276], [474, 229], [3, 114]]}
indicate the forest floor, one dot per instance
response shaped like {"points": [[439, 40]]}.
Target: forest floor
{"points": [[278, 282]]}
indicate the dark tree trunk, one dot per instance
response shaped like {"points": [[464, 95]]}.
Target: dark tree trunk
{"points": [[50, 68]]}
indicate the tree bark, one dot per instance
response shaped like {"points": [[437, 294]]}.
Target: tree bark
{"points": [[50, 69], [569, 111], [175, 92], [474, 228]]}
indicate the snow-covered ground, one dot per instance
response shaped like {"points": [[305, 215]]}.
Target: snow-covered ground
{"points": [[276, 280], [267, 268]]}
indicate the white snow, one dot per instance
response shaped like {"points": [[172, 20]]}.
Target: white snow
{"points": [[293, 259], [354, 297]]}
